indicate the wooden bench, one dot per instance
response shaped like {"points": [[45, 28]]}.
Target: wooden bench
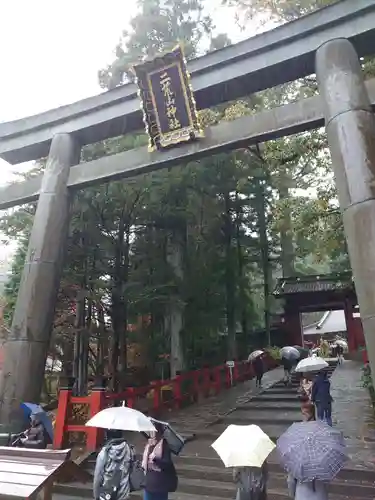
{"points": [[31, 474]]}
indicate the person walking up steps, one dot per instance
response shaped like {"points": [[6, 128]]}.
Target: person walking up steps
{"points": [[251, 482], [258, 365], [112, 468], [321, 397], [161, 476], [287, 365], [307, 406], [340, 354]]}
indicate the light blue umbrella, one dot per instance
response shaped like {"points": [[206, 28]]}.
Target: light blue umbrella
{"points": [[312, 450]]}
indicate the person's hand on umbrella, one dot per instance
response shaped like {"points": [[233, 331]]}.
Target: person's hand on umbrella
{"points": [[24, 437]]}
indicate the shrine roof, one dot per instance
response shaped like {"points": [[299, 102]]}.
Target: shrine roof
{"points": [[314, 284]]}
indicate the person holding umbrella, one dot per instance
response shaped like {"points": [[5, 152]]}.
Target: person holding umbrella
{"points": [[117, 472], [112, 468], [339, 353], [313, 454], [251, 482], [250, 471], [321, 397], [160, 473], [36, 436], [289, 357], [258, 366]]}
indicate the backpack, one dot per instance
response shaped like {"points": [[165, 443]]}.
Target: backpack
{"points": [[110, 490]]}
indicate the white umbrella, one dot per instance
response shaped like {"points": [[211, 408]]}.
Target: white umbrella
{"points": [[312, 364], [341, 342], [290, 352], [255, 354], [121, 418], [243, 446]]}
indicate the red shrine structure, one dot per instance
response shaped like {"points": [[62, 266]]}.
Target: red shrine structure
{"points": [[313, 293]]}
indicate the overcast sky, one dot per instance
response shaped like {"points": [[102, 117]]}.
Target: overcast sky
{"points": [[51, 52]]}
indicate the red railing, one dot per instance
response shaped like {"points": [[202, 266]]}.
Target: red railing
{"points": [[159, 395]]}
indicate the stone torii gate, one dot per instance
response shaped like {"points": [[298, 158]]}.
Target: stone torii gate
{"points": [[327, 42]]}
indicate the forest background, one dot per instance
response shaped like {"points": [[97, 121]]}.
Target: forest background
{"points": [[174, 270]]}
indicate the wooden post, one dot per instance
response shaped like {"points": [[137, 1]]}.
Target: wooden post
{"points": [[59, 436], [350, 126], [293, 327], [26, 348], [95, 436]]}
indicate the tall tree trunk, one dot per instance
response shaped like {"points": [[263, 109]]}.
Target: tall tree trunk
{"points": [[240, 267], [264, 249], [230, 276], [81, 348], [119, 318], [116, 312], [125, 303], [67, 362], [173, 319], [102, 358], [286, 232]]}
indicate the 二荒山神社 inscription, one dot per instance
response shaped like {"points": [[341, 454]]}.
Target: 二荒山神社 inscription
{"points": [[170, 114]]}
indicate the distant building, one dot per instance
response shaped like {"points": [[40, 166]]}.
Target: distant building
{"points": [[330, 324]]}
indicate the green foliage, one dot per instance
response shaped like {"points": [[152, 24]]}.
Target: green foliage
{"points": [[233, 220], [279, 10], [274, 352], [367, 382], [156, 28]]}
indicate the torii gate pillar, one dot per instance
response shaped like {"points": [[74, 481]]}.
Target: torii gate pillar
{"points": [[26, 348], [350, 126]]}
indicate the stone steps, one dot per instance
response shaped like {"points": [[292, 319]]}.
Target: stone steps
{"points": [[216, 482], [266, 416], [202, 474]]}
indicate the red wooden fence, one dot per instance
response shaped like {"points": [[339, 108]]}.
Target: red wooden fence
{"points": [[184, 389]]}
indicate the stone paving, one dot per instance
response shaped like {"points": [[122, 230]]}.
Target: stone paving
{"points": [[352, 410], [211, 409], [353, 414]]}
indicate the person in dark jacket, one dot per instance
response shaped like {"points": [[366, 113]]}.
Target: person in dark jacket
{"points": [[36, 436], [321, 397], [259, 370], [160, 472]]}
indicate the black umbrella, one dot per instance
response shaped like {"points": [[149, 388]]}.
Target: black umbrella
{"points": [[175, 441]]}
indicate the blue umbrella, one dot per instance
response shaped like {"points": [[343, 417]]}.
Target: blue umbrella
{"points": [[312, 450], [34, 409]]}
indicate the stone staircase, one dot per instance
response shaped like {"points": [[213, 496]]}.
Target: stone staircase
{"points": [[202, 474]]}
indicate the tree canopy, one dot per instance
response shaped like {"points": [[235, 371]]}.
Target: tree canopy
{"points": [[173, 270]]}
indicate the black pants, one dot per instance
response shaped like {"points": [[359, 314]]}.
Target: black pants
{"points": [[259, 377]]}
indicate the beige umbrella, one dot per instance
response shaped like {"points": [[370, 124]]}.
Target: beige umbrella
{"points": [[243, 446]]}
